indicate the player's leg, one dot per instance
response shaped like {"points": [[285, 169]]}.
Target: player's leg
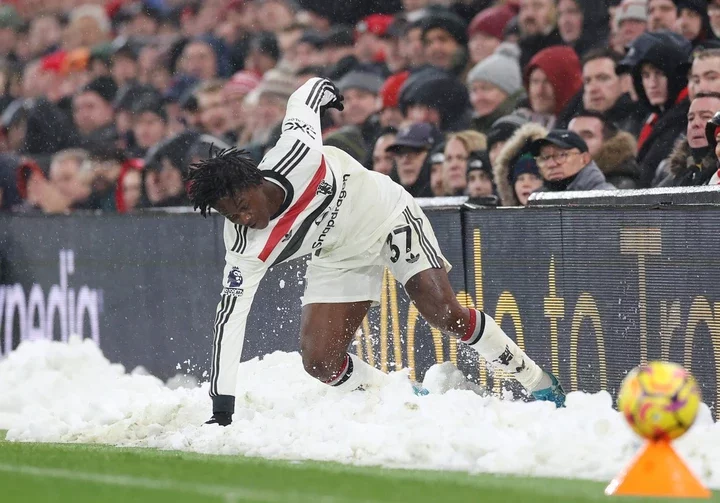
{"points": [[335, 302], [325, 335], [420, 266]]}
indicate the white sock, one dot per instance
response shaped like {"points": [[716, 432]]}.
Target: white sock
{"points": [[357, 374], [488, 339]]}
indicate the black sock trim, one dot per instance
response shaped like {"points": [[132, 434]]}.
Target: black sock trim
{"points": [[348, 373], [224, 404]]}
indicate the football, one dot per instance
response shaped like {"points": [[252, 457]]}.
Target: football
{"points": [[659, 400]]}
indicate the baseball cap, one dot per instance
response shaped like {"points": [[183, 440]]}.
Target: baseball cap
{"points": [[561, 138], [417, 136], [479, 160], [631, 9]]}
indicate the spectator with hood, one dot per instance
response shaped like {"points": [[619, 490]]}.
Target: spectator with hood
{"points": [[500, 132], [437, 97], [495, 86], [486, 31], [412, 160], [583, 24], [129, 191], [657, 62], [390, 113], [693, 21], [149, 125], [93, 112], [105, 163], [37, 128], [552, 78], [693, 161], [516, 172], [263, 55], [444, 38], [538, 30], [165, 166]]}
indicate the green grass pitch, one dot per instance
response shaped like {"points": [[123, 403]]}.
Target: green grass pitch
{"points": [[31, 472]]}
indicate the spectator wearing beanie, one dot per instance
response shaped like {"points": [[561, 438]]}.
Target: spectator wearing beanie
{"points": [[501, 131], [444, 39], [263, 55], [338, 44], [486, 31], [149, 125], [516, 172], [437, 160], [479, 175], [434, 96], [93, 112], [271, 97], [361, 90], [495, 86], [693, 21], [390, 113], [552, 78], [658, 55]]}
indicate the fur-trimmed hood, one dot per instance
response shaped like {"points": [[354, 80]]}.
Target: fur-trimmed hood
{"points": [[682, 161], [615, 153], [502, 170], [683, 166]]}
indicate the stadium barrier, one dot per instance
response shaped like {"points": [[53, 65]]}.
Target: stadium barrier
{"points": [[588, 289]]}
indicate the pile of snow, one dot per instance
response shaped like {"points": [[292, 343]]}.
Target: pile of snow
{"points": [[53, 392]]}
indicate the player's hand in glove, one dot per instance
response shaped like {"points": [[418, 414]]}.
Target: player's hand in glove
{"points": [[331, 97]]}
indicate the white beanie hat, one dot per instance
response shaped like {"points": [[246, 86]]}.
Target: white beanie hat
{"points": [[501, 68]]}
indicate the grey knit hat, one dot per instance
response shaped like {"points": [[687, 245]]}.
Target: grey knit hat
{"points": [[365, 81], [501, 69]]}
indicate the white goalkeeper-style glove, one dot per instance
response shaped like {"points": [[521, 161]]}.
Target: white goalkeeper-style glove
{"points": [[331, 97]]}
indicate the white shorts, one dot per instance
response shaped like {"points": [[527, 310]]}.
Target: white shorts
{"points": [[409, 247]]}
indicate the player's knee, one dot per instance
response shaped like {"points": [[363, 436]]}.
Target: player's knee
{"points": [[320, 367]]}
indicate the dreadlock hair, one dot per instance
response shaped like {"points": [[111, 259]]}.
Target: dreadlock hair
{"points": [[225, 174]]}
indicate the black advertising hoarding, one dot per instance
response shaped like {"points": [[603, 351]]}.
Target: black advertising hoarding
{"points": [[589, 292], [593, 292]]}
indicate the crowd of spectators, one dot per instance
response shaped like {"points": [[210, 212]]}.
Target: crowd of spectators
{"points": [[105, 104]]}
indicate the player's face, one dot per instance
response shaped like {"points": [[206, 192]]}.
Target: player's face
{"points": [[249, 208]]}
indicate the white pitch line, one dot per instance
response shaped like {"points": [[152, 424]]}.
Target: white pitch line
{"points": [[231, 494]]}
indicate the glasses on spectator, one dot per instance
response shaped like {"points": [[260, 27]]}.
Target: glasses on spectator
{"points": [[559, 158]]}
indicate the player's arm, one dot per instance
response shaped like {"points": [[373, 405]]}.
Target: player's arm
{"points": [[302, 117], [241, 278]]}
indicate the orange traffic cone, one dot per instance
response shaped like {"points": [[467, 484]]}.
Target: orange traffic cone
{"points": [[657, 470]]}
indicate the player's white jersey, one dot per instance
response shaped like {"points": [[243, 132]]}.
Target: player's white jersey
{"points": [[333, 207]]}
